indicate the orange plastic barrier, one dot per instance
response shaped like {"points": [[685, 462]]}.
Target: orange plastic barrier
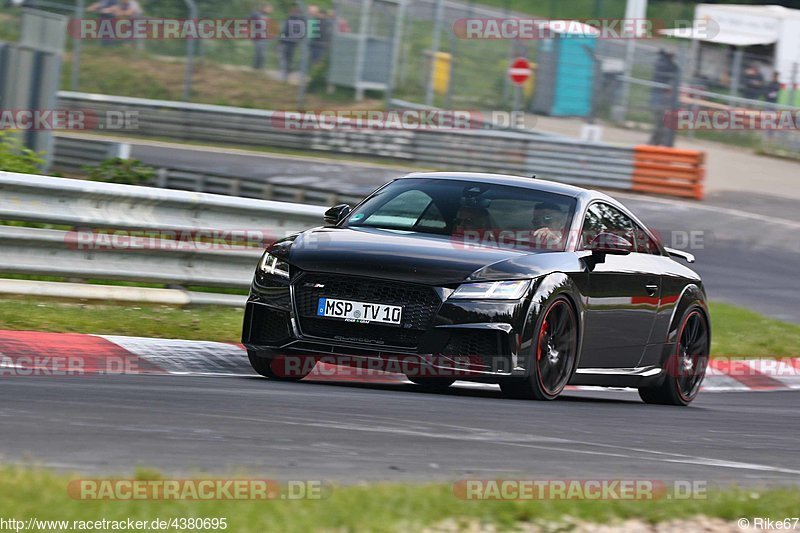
{"points": [[661, 170]]}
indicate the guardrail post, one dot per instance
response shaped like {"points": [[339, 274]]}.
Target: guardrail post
{"points": [[187, 80], [437, 30], [75, 73]]}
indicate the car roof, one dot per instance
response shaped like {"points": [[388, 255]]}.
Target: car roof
{"points": [[516, 181]]}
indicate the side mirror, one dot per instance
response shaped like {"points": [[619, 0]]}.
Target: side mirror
{"points": [[336, 214], [609, 243]]}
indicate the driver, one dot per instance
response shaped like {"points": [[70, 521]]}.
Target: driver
{"points": [[472, 218], [549, 223]]}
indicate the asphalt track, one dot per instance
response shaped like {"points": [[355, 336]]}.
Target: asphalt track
{"points": [[353, 432]]}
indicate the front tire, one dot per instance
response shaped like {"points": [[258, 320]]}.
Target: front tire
{"points": [[278, 368], [686, 368], [554, 355]]}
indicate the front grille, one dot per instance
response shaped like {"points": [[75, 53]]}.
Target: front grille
{"points": [[420, 304]]}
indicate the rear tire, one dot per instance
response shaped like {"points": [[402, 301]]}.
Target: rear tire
{"points": [[686, 368], [554, 355], [276, 368]]}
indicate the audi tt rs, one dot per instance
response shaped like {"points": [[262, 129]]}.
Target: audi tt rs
{"points": [[530, 284]]}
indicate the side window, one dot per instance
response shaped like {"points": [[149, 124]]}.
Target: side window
{"points": [[603, 218]]}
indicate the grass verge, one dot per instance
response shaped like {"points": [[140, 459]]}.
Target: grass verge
{"points": [[31, 492], [738, 331], [735, 331], [209, 323], [124, 71]]}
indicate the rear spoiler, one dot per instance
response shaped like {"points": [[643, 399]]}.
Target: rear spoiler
{"points": [[689, 258]]}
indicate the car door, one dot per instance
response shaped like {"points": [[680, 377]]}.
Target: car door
{"points": [[621, 297]]}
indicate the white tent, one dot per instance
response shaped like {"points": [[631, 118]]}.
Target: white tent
{"points": [[743, 26]]}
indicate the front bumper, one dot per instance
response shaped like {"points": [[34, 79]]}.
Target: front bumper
{"points": [[468, 339]]}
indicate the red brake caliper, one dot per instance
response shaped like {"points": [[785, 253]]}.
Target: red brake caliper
{"points": [[542, 333]]}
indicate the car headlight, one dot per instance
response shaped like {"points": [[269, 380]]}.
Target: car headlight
{"points": [[493, 290], [272, 266]]}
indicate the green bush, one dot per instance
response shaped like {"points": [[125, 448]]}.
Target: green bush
{"points": [[127, 171], [15, 157]]}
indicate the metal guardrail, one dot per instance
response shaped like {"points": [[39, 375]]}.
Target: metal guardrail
{"points": [[235, 125], [565, 160], [556, 158], [72, 154], [83, 206]]}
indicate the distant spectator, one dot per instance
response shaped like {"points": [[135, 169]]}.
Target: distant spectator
{"points": [[725, 79], [341, 24], [127, 9], [666, 72], [327, 28], [753, 83], [293, 31], [317, 44], [261, 43], [107, 11], [105, 8], [773, 89]]}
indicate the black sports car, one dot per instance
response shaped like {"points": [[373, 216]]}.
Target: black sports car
{"points": [[527, 283]]}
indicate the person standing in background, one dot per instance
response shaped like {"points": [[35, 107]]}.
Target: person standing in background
{"points": [[326, 28], [293, 31], [665, 72], [753, 83], [261, 42], [104, 7], [773, 90], [127, 9], [317, 23], [107, 11], [130, 9]]}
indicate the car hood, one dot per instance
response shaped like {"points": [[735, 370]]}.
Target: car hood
{"points": [[399, 255]]}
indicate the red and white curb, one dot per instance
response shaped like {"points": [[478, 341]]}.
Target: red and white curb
{"points": [[28, 353]]}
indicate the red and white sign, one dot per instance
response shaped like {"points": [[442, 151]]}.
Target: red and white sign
{"points": [[520, 71]]}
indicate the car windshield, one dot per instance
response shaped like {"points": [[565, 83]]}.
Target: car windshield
{"points": [[480, 213]]}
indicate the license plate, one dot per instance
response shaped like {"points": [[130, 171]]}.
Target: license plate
{"points": [[360, 312]]}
